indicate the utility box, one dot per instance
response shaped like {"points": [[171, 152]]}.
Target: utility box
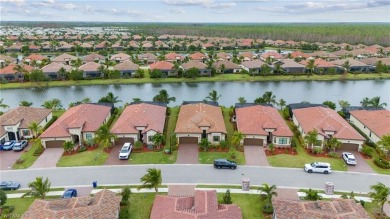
{"points": [[245, 184], [329, 188], [94, 184]]}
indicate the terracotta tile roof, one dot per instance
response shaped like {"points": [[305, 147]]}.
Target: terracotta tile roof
{"points": [[55, 67], [191, 116], [370, 61], [255, 119], [35, 57], [378, 121], [24, 115], [93, 57], [126, 65], [248, 55], [87, 116], [7, 58], [90, 66], [335, 209], [321, 119], [198, 56], [352, 62], [257, 63], [224, 55], [173, 56], [271, 54], [296, 54], [120, 57], [289, 63], [194, 64], [204, 205], [228, 64], [364, 51], [148, 56], [319, 63], [153, 116], [323, 54], [161, 65], [104, 205], [10, 69], [64, 58]]}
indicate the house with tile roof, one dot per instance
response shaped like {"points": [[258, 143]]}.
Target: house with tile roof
{"points": [[6, 60], [336, 208], [225, 67], [247, 56], [289, 66], [103, 205], [34, 57], [120, 57], [148, 58], [78, 124], [375, 123], [204, 71], [140, 122], [174, 57], [64, 59], [224, 56], [91, 70], [321, 66], [198, 56], [52, 70], [329, 124], [203, 204], [354, 65], [14, 123], [270, 55], [126, 68], [262, 125], [10, 74], [165, 67], [199, 120], [93, 57], [253, 67]]}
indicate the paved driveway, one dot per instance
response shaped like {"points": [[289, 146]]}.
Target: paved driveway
{"points": [[187, 154], [255, 156], [48, 158], [113, 157], [362, 166], [8, 158]]}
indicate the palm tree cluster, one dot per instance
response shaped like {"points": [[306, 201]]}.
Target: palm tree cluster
{"points": [[373, 102], [163, 97]]}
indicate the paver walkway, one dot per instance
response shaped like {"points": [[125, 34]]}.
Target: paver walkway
{"points": [[255, 156], [49, 158], [113, 157], [187, 154]]}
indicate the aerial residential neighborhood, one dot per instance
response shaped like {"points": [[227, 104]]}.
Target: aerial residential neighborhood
{"points": [[194, 109]]}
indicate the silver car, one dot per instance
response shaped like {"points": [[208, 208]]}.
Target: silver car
{"points": [[349, 158]]}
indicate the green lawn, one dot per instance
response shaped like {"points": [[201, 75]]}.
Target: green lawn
{"points": [[58, 113], [28, 159], [250, 204], [153, 158], [170, 129], [86, 158], [21, 205], [219, 77], [141, 205], [376, 168]]}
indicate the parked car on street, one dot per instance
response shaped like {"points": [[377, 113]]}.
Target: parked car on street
{"points": [[18, 146], [318, 167], [349, 158], [69, 193], [9, 185], [124, 153], [8, 145], [224, 163]]}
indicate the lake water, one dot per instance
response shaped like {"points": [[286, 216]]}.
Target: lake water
{"points": [[291, 92]]}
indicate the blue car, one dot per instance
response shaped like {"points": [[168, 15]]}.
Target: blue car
{"points": [[8, 145], [9, 185], [69, 193], [18, 146]]}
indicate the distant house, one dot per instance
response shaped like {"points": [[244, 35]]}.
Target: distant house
{"points": [[337, 208], [203, 204], [91, 69], [324, 55], [14, 123], [227, 67], [127, 68], [198, 120], [10, 74], [224, 56], [247, 56], [321, 66], [374, 123], [140, 122], [34, 57], [173, 57], [120, 57], [64, 59], [198, 65], [167, 68], [253, 67], [148, 58], [93, 57], [354, 65], [329, 124], [6, 60], [290, 66], [262, 125], [198, 56], [78, 124], [270, 55], [51, 70], [103, 205]]}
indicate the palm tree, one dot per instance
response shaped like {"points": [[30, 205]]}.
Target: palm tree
{"points": [[163, 97], [333, 144], [39, 188], [3, 105], [77, 62], [311, 65], [282, 103], [312, 195], [278, 68], [54, 104], [19, 70], [213, 96], [237, 137], [346, 66], [241, 100], [137, 100], [267, 193], [152, 179], [62, 73], [376, 102], [379, 195], [222, 68], [344, 104], [210, 66], [68, 146], [25, 103], [268, 97], [311, 138], [109, 98], [101, 69], [158, 139], [35, 128], [365, 102], [384, 143], [104, 136], [86, 100]]}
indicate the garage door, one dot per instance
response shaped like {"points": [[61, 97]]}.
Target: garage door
{"points": [[349, 147], [253, 141], [54, 144], [121, 141], [188, 140]]}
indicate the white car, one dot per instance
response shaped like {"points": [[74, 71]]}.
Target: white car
{"points": [[124, 153], [349, 158], [318, 167]]}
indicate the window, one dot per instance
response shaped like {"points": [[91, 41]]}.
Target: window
{"points": [[215, 138], [26, 132], [88, 136], [150, 138], [282, 140]]}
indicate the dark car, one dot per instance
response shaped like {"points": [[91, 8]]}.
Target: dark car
{"points": [[8, 145], [69, 193], [9, 185], [18, 146], [224, 163]]}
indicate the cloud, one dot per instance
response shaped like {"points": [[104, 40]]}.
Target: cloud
{"points": [[176, 11], [378, 3], [16, 2], [188, 2], [68, 6], [327, 6]]}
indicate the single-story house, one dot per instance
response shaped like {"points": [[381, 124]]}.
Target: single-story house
{"points": [[10, 74], [227, 67], [354, 65], [329, 124], [165, 67], [51, 70], [34, 57], [120, 57], [299, 54], [64, 59], [78, 124], [6, 60], [198, 65], [324, 55], [253, 67], [174, 57], [104, 204], [247, 56], [140, 122], [14, 123], [290, 66], [91, 69], [126, 68], [202, 204], [271, 55], [224, 56], [198, 56], [148, 58], [374, 123], [321, 66], [336, 208], [199, 120], [262, 125], [93, 57]]}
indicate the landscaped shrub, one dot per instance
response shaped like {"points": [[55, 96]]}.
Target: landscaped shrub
{"points": [[271, 148], [124, 213], [38, 150], [232, 156], [19, 161], [316, 150], [268, 209], [368, 151], [82, 148], [362, 202], [371, 144], [382, 163], [333, 155], [138, 145], [223, 144]]}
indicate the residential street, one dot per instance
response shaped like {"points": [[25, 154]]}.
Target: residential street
{"points": [[199, 174]]}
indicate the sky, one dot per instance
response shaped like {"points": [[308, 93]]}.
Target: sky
{"points": [[197, 11]]}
